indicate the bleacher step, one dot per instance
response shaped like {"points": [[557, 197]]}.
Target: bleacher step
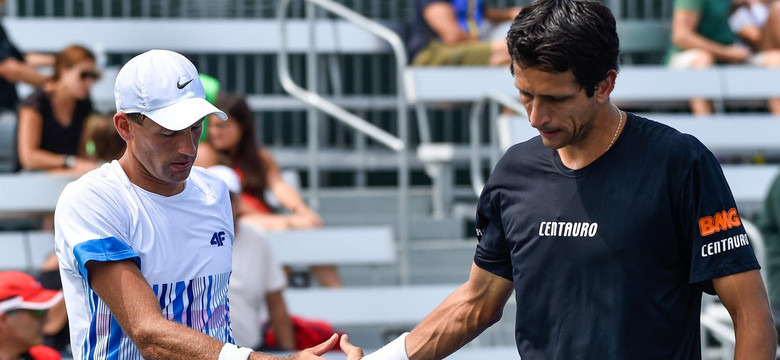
{"points": [[373, 201], [420, 226]]}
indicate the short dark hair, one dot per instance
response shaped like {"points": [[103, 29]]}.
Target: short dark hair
{"points": [[137, 118], [561, 35]]}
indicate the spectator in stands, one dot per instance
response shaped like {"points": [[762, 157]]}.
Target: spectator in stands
{"points": [[211, 86], [104, 143], [232, 143], [51, 133], [55, 329], [16, 66], [702, 37], [608, 226], [768, 223], [257, 281], [23, 309], [453, 32], [757, 23]]}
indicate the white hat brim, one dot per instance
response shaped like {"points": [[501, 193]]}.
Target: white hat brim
{"points": [[182, 114]]}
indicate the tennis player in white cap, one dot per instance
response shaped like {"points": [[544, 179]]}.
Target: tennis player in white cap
{"points": [[144, 243]]}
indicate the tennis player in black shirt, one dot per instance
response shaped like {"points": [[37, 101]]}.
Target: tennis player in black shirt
{"points": [[608, 226]]}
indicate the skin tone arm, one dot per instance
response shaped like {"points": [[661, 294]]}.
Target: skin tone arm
{"points": [[280, 320], [684, 36], [744, 296], [15, 71], [123, 288], [466, 313], [206, 157], [302, 216], [440, 16], [39, 59], [501, 15], [29, 146]]}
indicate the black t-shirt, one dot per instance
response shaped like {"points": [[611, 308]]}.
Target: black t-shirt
{"points": [[55, 137], [8, 96], [610, 261]]}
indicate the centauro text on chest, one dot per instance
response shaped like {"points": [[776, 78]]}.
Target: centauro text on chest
{"points": [[568, 229]]}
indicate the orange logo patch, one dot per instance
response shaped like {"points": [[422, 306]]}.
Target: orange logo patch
{"points": [[723, 220]]}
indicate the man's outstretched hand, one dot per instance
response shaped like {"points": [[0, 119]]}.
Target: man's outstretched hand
{"points": [[353, 352], [314, 352]]}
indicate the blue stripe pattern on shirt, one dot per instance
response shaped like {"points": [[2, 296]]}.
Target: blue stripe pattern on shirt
{"points": [[190, 302]]}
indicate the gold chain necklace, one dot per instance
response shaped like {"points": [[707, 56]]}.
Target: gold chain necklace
{"points": [[620, 122]]}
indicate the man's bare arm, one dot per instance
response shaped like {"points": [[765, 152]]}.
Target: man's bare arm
{"points": [[126, 292], [466, 313], [744, 296]]}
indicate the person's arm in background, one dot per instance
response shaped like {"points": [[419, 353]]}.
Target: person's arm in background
{"points": [[684, 36], [744, 296], [440, 16], [280, 320], [206, 156], [31, 156], [14, 70], [131, 300], [39, 59], [495, 15], [302, 216]]}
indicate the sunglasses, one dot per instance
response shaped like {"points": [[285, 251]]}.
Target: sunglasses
{"points": [[38, 314], [84, 75]]}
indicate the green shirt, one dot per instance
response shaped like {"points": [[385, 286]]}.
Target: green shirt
{"points": [[713, 20]]}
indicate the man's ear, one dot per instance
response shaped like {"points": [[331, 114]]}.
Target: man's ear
{"points": [[122, 124], [604, 87]]}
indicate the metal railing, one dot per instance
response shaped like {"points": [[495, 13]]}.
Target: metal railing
{"points": [[494, 99], [319, 103]]}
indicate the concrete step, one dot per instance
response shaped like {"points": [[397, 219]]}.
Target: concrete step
{"points": [[420, 226], [368, 200]]}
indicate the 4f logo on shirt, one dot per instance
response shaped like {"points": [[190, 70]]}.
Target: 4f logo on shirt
{"points": [[723, 220], [218, 238]]}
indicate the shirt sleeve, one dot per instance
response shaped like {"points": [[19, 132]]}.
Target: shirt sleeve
{"points": [[692, 5], [492, 252], [7, 48], [90, 226], [720, 246]]}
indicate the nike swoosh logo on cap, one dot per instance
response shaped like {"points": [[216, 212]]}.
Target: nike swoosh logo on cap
{"points": [[181, 86]]}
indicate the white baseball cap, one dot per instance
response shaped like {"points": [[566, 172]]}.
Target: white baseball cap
{"points": [[227, 175], [164, 86]]}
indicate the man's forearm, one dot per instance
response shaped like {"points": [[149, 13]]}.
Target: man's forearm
{"points": [[756, 339]]}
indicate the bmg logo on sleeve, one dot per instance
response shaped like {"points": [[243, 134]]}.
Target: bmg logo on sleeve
{"points": [[218, 238]]}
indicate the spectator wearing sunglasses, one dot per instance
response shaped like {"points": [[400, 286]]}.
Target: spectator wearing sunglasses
{"points": [[23, 306], [51, 133]]}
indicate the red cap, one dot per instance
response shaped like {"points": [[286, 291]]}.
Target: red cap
{"points": [[21, 291]]}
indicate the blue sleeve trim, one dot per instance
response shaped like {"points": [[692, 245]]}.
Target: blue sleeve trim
{"points": [[108, 249]]}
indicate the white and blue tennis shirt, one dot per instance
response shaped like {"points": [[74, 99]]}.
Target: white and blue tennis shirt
{"points": [[182, 244]]}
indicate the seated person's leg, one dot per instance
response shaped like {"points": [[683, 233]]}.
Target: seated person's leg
{"points": [[770, 59], [327, 275], [770, 38], [694, 58], [438, 54]]}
